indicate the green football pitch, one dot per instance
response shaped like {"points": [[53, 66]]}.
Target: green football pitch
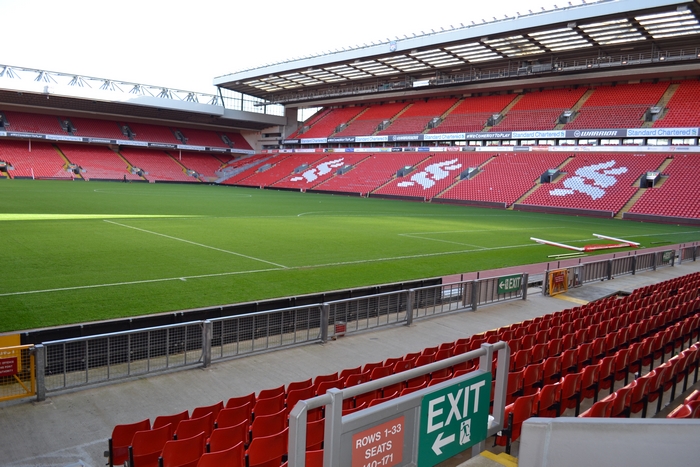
{"points": [[84, 251]]}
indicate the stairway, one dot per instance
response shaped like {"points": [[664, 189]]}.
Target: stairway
{"points": [[670, 91], [505, 111], [576, 107]]}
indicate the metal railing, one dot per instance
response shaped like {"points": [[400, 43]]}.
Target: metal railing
{"points": [[609, 269], [83, 361], [404, 306], [89, 360], [254, 332], [687, 253]]}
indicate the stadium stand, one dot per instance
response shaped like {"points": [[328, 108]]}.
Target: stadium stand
{"points": [[98, 162], [504, 179], [157, 165], [33, 123], [96, 128], [311, 121], [320, 171], [432, 176], [371, 173], [416, 117], [42, 161], [279, 169], [152, 133], [202, 138], [683, 109], [328, 123], [245, 167], [206, 165], [596, 182], [670, 309], [238, 141], [472, 113], [678, 196], [368, 121], [621, 106], [539, 110]]}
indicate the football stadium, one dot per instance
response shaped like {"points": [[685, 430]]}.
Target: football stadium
{"points": [[475, 246]]}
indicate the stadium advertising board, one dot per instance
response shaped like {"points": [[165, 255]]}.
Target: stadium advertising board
{"points": [[508, 135]]}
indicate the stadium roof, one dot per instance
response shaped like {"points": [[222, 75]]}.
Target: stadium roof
{"points": [[69, 94], [582, 38]]}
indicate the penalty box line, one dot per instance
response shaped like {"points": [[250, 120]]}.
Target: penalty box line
{"points": [[197, 244]]}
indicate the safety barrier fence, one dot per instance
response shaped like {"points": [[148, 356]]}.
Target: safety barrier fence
{"points": [[90, 360], [73, 363], [421, 428], [608, 269]]}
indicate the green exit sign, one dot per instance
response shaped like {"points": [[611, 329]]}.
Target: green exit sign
{"points": [[509, 283], [453, 419]]}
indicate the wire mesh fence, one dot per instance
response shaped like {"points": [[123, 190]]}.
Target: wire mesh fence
{"points": [[89, 360], [257, 332]]}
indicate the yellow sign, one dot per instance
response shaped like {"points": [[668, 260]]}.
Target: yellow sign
{"points": [[558, 281], [17, 372]]}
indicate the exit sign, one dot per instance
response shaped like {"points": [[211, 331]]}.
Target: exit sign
{"points": [[453, 419], [509, 283]]}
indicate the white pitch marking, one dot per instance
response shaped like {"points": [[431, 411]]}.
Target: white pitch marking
{"points": [[197, 244], [483, 230], [342, 263], [439, 240], [145, 281], [205, 276]]}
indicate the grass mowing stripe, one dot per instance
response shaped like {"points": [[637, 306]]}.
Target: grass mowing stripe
{"points": [[197, 244]]}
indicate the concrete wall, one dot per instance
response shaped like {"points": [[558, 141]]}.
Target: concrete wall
{"points": [[587, 442]]}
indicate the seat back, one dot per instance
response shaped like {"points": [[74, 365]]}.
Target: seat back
{"points": [[233, 416], [173, 419], [602, 408], [269, 405], [121, 440], [241, 400], [622, 400], [272, 392], [222, 439], [214, 409], [232, 457], [266, 425], [267, 451], [194, 426], [326, 385], [300, 385], [147, 445], [183, 452], [355, 379], [297, 395]]}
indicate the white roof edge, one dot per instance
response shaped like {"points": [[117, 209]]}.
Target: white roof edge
{"points": [[569, 14]]}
